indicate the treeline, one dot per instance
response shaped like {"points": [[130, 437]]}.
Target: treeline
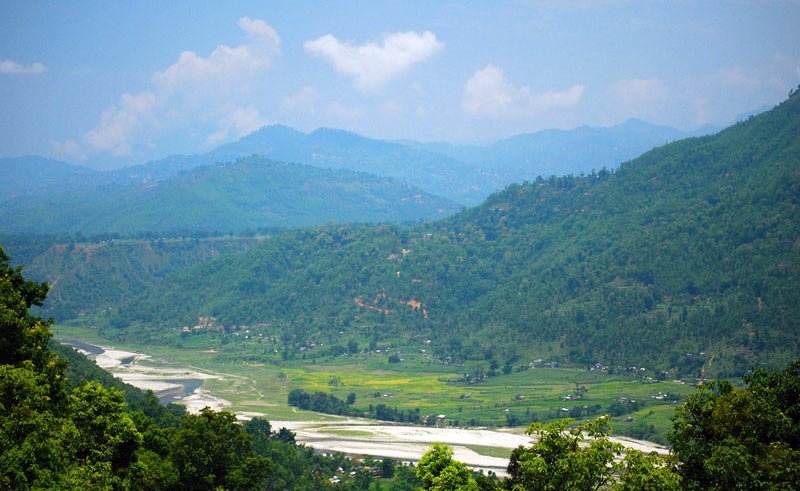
{"points": [[320, 402], [91, 278], [323, 402]]}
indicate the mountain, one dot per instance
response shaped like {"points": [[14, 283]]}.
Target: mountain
{"points": [[465, 174], [563, 152], [339, 149], [21, 176], [247, 194], [685, 258]]}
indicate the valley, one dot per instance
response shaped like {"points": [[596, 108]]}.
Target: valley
{"points": [[417, 385], [391, 246]]}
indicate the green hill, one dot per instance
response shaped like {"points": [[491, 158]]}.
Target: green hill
{"points": [[689, 249], [246, 194], [86, 278]]}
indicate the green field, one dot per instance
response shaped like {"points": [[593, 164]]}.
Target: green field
{"points": [[416, 382]]}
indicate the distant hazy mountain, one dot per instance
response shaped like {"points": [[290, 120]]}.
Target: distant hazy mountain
{"points": [[466, 174], [563, 152], [339, 149], [22, 176], [249, 193], [462, 173]]}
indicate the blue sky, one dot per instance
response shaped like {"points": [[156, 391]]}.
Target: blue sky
{"points": [[113, 83]]}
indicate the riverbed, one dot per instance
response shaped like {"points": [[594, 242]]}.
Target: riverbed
{"points": [[483, 449], [168, 383]]}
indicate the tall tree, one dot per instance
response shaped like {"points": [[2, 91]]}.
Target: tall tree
{"points": [[741, 438]]}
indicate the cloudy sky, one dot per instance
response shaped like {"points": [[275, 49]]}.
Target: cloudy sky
{"points": [[113, 83]]}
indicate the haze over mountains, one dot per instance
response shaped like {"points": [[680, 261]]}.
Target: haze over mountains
{"points": [[689, 248], [172, 194], [247, 194]]}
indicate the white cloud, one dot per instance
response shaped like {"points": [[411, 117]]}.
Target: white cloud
{"points": [[225, 65], [117, 123], [373, 65], [11, 67], [237, 121], [194, 89], [488, 93]]}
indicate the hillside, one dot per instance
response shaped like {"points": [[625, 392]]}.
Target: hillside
{"points": [[689, 249], [86, 278], [249, 193]]}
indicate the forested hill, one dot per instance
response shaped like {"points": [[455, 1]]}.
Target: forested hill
{"points": [[249, 193], [690, 248]]}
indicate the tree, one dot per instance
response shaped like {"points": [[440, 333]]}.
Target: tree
{"points": [[741, 438], [387, 467], [439, 472], [351, 398], [583, 458], [211, 450], [100, 429], [32, 388]]}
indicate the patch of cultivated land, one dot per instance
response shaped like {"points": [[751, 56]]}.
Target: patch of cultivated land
{"points": [[260, 388]]}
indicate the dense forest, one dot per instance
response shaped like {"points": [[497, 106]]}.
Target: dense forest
{"points": [[687, 250], [89, 277]]}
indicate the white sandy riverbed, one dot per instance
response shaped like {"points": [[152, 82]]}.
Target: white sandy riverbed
{"points": [[160, 379]]}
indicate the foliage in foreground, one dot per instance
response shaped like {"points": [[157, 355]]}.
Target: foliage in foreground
{"points": [[584, 458], [742, 438]]}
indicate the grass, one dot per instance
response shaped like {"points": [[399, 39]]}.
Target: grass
{"points": [[349, 433], [499, 452], [256, 380]]}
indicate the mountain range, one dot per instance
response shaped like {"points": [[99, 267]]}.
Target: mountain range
{"points": [[464, 174], [245, 194], [684, 259]]}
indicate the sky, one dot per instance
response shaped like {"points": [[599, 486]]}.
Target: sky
{"points": [[107, 84]]}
